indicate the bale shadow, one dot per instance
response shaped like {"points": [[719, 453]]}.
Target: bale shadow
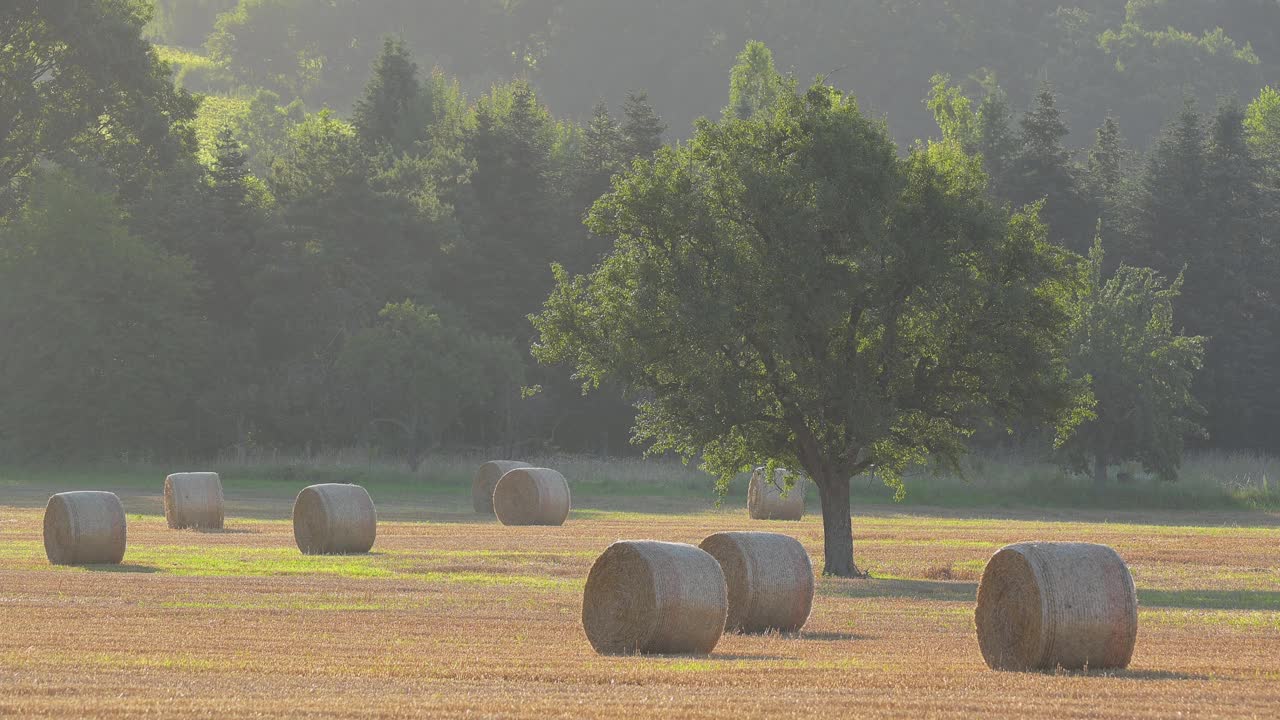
{"points": [[221, 531], [826, 636], [1144, 675], [122, 568], [945, 590]]}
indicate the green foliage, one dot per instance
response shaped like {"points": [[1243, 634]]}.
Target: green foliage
{"points": [[1263, 125], [102, 329], [786, 288], [394, 111], [420, 376], [1140, 369], [754, 84], [77, 79]]}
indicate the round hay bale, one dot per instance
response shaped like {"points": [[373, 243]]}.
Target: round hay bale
{"points": [[334, 519], [1043, 605], [84, 528], [644, 596], [769, 579], [193, 500], [486, 477], [531, 496], [765, 500]]}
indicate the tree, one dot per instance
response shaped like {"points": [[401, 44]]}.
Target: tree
{"points": [[395, 110], [419, 375], [1042, 170], [1106, 172], [1263, 124], [78, 79], [601, 156], [754, 84], [512, 217], [642, 129], [786, 288], [102, 336], [1141, 371]]}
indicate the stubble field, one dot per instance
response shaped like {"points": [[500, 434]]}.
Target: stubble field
{"points": [[453, 615]]}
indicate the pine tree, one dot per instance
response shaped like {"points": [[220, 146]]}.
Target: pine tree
{"points": [[642, 129], [392, 111], [1043, 171], [601, 155], [1106, 160], [1105, 173], [1241, 385], [511, 215]]}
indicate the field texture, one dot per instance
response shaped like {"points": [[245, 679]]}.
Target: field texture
{"points": [[452, 615]]}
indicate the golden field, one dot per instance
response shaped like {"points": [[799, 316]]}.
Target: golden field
{"points": [[453, 615]]}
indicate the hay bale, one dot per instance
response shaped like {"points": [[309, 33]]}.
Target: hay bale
{"points": [[769, 579], [1043, 605], [193, 500], [84, 528], [644, 596], [486, 477], [531, 496], [765, 500], [334, 519]]}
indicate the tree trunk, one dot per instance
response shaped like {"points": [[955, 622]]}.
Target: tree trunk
{"points": [[837, 528], [1099, 469]]}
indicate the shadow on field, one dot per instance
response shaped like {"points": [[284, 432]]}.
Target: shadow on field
{"points": [[124, 568], [917, 589], [1210, 599], [1126, 674], [827, 636]]}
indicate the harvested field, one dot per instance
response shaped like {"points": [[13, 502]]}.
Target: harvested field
{"points": [[452, 614]]}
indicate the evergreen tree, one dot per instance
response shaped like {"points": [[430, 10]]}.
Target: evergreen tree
{"points": [[1241, 385], [1042, 170], [394, 110], [642, 129], [1105, 172], [513, 220], [601, 156]]}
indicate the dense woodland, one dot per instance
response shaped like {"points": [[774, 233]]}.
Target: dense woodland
{"points": [[306, 223]]}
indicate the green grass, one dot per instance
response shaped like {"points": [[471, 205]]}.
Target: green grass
{"points": [[1209, 482], [219, 561]]}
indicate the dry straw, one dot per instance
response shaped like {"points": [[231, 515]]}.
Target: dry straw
{"points": [[334, 519], [84, 528], [486, 477], [644, 596], [193, 500], [769, 579], [1044, 605], [765, 500], [531, 496]]}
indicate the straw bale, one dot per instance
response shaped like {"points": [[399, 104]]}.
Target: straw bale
{"points": [[644, 596], [769, 579], [334, 519], [193, 500], [531, 496], [1044, 605], [486, 477], [84, 528], [765, 500]]}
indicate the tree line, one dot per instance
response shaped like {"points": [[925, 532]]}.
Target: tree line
{"points": [[185, 275]]}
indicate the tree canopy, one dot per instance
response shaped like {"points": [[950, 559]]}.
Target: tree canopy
{"points": [[785, 287]]}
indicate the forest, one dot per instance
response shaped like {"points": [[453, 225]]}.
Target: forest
{"points": [[296, 224]]}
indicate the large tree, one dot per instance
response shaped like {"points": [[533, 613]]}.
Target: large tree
{"points": [[786, 288]]}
